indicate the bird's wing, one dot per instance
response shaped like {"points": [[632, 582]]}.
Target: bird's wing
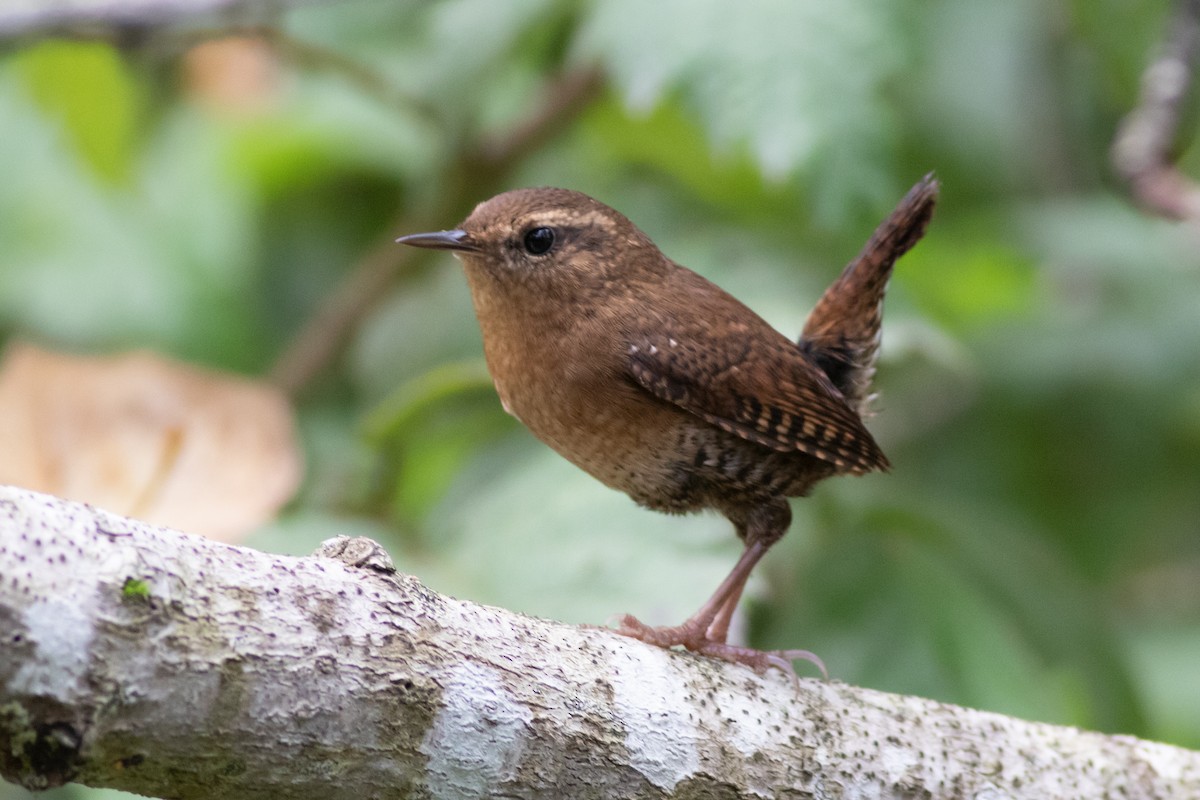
{"points": [[762, 388]]}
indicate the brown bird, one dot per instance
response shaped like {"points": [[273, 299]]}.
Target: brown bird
{"points": [[662, 385]]}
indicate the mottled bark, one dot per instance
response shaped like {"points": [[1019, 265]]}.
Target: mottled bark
{"points": [[142, 659]]}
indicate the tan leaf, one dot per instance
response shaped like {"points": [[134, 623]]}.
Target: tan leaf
{"points": [[140, 435]]}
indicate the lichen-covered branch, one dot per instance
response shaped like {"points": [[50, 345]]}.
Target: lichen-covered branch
{"points": [[142, 659]]}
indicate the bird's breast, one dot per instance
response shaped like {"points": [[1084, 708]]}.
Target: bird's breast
{"points": [[570, 389]]}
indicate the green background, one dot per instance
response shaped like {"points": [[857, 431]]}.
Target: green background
{"points": [[1035, 549]]}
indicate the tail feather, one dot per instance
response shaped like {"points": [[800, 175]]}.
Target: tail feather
{"points": [[842, 333]]}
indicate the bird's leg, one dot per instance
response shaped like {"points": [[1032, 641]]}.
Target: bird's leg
{"points": [[705, 631], [718, 631], [693, 632]]}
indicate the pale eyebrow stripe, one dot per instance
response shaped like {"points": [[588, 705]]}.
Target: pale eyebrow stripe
{"points": [[568, 219]]}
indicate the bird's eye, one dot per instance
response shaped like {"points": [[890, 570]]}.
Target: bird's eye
{"points": [[539, 241]]}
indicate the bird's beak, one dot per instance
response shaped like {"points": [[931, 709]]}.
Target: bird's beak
{"points": [[441, 240]]}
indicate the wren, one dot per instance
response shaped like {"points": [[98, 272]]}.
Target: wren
{"points": [[662, 385]]}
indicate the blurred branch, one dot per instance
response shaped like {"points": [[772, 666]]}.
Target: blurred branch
{"points": [[121, 19], [1144, 150], [358, 74], [142, 659], [476, 172], [565, 96]]}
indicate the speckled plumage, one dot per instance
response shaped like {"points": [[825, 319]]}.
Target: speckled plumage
{"points": [[664, 386]]}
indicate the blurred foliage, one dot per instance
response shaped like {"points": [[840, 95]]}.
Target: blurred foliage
{"points": [[1036, 549]]}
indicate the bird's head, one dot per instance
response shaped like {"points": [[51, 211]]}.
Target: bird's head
{"points": [[546, 240]]}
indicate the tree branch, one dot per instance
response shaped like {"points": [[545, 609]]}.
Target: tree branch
{"points": [[120, 19], [1146, 145], [137, 658]]}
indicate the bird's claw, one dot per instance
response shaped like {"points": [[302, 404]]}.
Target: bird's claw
{"points": [[696, 639]]}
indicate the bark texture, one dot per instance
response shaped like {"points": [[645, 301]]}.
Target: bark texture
{"points": [[139, 658]]}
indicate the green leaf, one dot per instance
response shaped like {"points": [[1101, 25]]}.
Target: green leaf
{"points": [[400, 409], [668, 141], [969, 281], [88, 89], [427, 428], [161, 261], [800, 83]]}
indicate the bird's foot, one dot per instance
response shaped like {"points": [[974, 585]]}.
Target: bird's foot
{"points": [[695, 638]]}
